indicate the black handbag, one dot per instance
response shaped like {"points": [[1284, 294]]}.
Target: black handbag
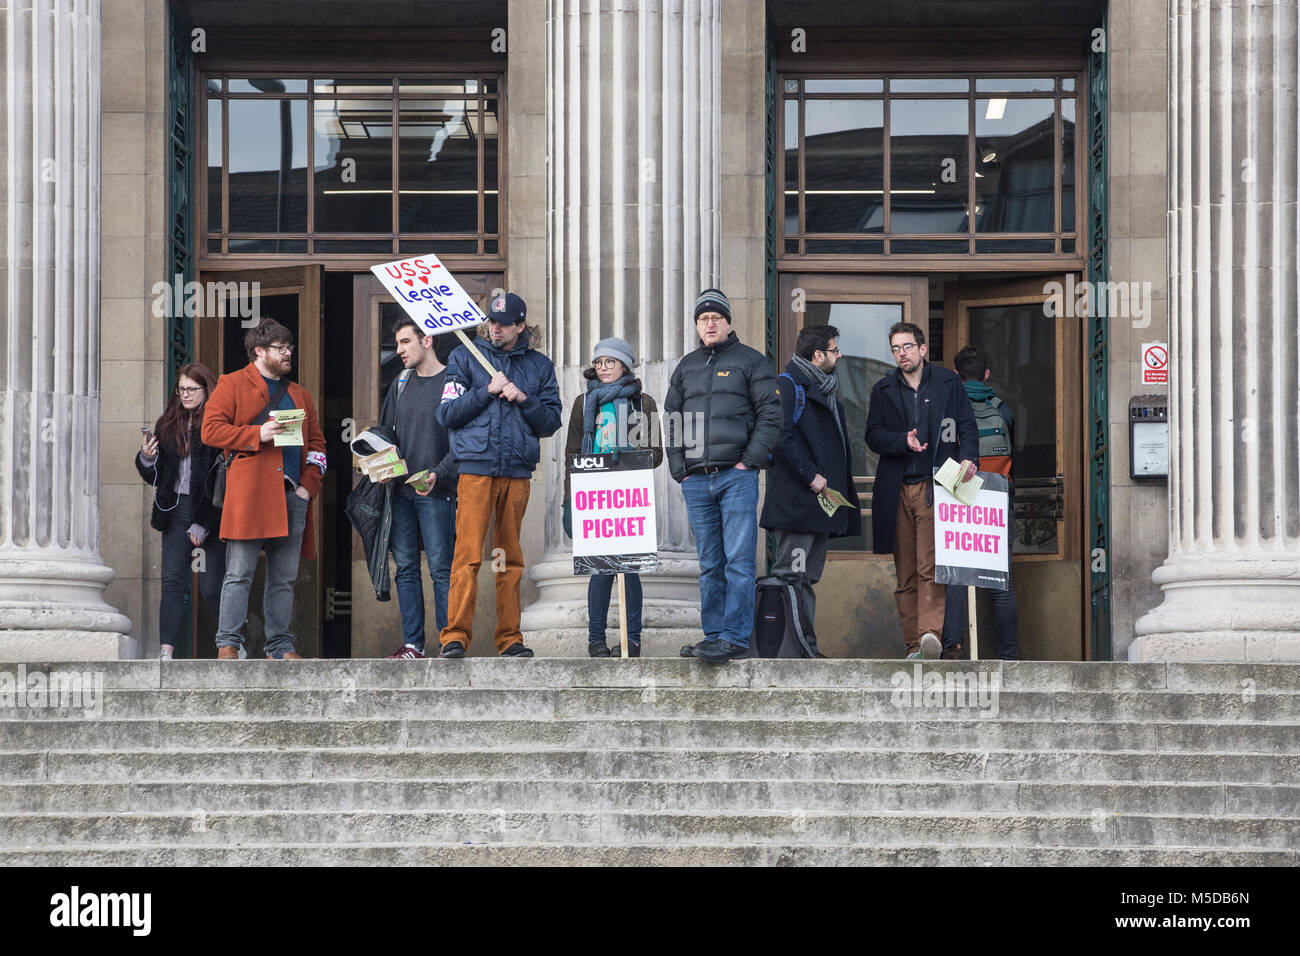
{"points": [[222, 463]]}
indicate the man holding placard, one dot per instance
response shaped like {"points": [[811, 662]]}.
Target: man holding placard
{"points": [[919, 418], [496, 422]]}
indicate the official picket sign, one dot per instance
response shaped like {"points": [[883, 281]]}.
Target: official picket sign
{"points": [[613, 510], [971, 543], [429, 293]]}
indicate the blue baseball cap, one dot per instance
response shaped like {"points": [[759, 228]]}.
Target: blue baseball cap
{"points": [[507, 308]]}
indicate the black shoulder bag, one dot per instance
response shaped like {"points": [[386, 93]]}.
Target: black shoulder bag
{"points": [[224, 460]]}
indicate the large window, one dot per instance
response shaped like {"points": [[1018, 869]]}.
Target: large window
{"points": [[346, 166], [929, 166]]}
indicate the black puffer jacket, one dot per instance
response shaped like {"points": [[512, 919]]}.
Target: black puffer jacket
{"points": [[729, 390], [162, 474]]}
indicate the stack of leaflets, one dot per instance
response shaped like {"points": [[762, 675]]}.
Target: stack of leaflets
{"points": [[421, 481], [291, 419], [949, 475], [383, 465], [831, 500]]}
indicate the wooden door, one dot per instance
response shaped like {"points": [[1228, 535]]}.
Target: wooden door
{"points": [[291, 296], [1037, 367]]}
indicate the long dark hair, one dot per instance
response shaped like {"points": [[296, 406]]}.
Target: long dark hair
{"points": [[173, 428]]}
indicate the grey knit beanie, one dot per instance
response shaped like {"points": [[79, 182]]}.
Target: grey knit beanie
{"points": [[712, 300], [615, 349]]}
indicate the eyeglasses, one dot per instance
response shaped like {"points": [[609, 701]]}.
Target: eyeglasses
{"points": [[188, 389], [905, 348], [831, 351], [604, 363], [715, 320], [282, 349]]}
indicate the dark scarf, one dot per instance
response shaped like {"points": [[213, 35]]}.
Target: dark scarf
{"points": [[826, 382], [598, 393]]}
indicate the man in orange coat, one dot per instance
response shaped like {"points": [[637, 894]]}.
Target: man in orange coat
{"points": [[269, 488]]}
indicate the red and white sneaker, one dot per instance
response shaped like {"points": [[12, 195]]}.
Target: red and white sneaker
{"points": [[406, 653]]}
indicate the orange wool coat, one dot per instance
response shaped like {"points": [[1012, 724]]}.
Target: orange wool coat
{"points": [[254, 506]]}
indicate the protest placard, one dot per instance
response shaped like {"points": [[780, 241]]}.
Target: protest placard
{"points": [[430, 294], [613, 507], [970, 540]]}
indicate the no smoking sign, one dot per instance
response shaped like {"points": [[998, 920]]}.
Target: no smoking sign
{"points": [[1155, 363]]}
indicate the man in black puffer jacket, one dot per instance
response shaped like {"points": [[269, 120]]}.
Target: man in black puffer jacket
{"points": [[723, 415]]}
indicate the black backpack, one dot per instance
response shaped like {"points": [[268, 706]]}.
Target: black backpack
{"points": [[780, 627]]}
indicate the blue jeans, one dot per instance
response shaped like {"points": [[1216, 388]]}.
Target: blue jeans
{"points": [[433, 521], [598, 591], [723, 510]]}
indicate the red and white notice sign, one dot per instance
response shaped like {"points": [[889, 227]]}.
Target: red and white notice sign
{"points": [[1155, 363]]}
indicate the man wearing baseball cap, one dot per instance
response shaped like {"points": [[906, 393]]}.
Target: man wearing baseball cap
{"points": [[733, 389], [496, 423]]}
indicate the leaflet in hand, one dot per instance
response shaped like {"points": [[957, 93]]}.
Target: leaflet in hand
{"points": [[831, 500], [291, 419], [949, 475]]}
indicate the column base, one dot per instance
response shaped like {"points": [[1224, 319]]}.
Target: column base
{"points": [[53, 609], [555, 625], [1223, 608]]}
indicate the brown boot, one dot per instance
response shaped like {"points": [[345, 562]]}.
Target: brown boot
{"points": [[227, 653]]}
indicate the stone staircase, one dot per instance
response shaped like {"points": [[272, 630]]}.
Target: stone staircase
{"points": [[657, 760]]}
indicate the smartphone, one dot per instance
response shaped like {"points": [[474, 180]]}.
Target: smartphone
{"points": [[146, 432]]}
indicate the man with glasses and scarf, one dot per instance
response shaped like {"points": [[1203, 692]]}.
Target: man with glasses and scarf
{"points": [[919, 417], [812, 454]]}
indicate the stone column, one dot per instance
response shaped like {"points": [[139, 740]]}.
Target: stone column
{"points": [[1232, 580], [51, 577], [633, 119]]}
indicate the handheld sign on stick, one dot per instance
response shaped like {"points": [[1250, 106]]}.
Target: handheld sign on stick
{"points": [[971, 542], [430, 294], [613, 502]]}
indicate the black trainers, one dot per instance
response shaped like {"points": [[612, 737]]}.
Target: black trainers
{"points": [[517, 650], [953, 653], [633, 648], [688, 650], [718, 651], [597, 649], [453, 649]]}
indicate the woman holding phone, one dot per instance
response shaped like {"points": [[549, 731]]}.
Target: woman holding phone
{"points": [[182, 471]]}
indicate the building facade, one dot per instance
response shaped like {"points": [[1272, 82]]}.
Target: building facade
{"points": [[1083, 188]]}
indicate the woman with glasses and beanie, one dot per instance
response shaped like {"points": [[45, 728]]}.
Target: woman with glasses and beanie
{"points": [[182, 471], [600, 422]]}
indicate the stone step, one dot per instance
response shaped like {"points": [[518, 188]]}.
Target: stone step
{"points": [[801, 795], [730, 854], [910, 731], [1217, 678], [888, 763], [572, 703], [508, 825]]}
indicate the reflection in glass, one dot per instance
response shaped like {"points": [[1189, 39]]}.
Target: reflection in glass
{"points": [[929, 86], [350, 88], [438, 165], [1043, 84], [923, 136], [862, 247], [1067, 165], [267, 85], [792, 167], [1021, 345], [844, 165], [353, 161], [864, 359], [490, 125], [214, 165], [268, 165], [842, 86], [1014, 155]]}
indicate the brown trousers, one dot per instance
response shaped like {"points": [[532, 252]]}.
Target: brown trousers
{"points": [[920, 600], [481, 498]]}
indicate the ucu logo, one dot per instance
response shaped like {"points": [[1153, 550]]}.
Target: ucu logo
{"points": [[584, 463]]}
